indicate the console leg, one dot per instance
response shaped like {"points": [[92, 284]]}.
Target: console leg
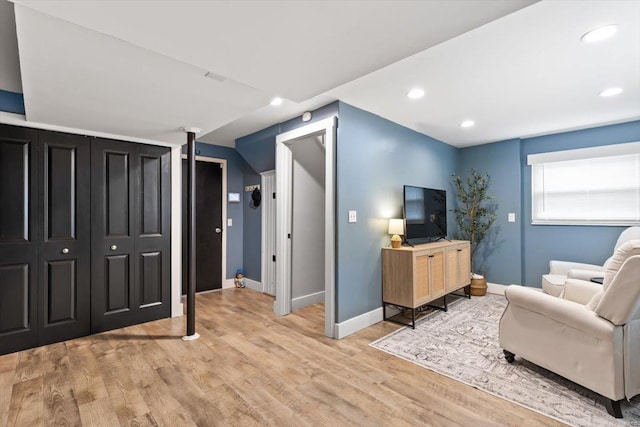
{"points": [[445, 303], [613, 407], [510, 357]]}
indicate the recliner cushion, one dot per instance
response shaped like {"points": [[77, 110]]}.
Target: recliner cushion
{"points": [[595, 300], [626, 250]]}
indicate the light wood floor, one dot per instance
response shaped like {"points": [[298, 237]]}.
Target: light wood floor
{"points": [[248, 368]]}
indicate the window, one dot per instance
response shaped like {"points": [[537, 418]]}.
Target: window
{"points": [[590, 186]]}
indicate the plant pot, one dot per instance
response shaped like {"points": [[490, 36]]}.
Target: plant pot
{"points": [[478, 287]]}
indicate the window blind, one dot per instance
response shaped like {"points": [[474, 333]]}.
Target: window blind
{"points": [[595, 186]]}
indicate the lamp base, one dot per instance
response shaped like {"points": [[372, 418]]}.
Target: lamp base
{"points": [[396, 241]]}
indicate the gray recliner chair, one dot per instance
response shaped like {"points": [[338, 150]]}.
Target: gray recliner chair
{"points": [[590, 335]]}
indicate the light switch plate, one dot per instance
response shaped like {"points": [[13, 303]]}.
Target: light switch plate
{"points": [[511, 217], [229, 222], [353, 216]]}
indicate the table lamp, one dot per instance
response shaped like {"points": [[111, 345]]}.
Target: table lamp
{"points": [[396, 227]]}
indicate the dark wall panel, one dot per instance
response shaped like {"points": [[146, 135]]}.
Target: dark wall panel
{"points": [[14, 298]]}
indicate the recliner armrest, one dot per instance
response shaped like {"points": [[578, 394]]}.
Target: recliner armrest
{"points": [[576, 273], [563, 311], [563, 267], [580, 291]]}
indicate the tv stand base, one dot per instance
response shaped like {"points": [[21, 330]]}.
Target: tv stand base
{"points": [[417, 310]]}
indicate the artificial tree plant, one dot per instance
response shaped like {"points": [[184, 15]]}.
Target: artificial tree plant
{"points": [[474, 214]]}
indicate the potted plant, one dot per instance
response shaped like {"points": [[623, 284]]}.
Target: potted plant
{"points": [[474, 217]]}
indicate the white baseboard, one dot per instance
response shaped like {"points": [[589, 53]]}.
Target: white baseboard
{"points": [[249, 283], [253, 284], [177, 310], [495, 288], [298, 303], [365, 320], [357, 323]]}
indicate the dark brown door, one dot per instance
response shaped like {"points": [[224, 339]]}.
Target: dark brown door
{"points": [[19, 236], [131, 203], [64, 252], [209, 225]]}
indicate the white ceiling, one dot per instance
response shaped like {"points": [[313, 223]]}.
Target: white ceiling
{"points": [[9, 62], [137, 68], [523, 75]]}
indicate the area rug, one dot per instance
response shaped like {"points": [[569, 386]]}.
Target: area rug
{"points": [[463, 344]]}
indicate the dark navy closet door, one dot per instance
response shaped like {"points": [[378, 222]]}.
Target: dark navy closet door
{"points": [[19, 236], [131, 239], [65, 263]]}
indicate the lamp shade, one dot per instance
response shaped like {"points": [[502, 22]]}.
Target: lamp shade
{"points": [[396, 226]]}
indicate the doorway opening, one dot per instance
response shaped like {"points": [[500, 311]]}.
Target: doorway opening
{"points": [[211, 214], [305, 219]]}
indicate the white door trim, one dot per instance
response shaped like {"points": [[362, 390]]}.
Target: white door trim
{"points": [[267, 224], [284, 175], [223, 163]]}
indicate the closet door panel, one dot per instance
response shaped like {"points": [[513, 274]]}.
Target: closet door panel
{"points": [[131, 204], [19, 234], [112, 244], [14, 190], [117, 284], [152, 227], [14, 298], [150, 279], [64, 291], [60, 292]]}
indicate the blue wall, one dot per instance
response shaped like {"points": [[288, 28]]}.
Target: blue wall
{"points": [[259, 148], [499, 256], [11, 102], [541, 243], [259, 151], [375, 158], [252, 229], [237, 172], [511, 182]]}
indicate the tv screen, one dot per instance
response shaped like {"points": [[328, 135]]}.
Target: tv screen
{"points": [[425, 214]]}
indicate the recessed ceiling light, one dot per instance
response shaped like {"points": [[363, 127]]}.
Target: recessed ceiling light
{"points": [[276, 101], [612, 91], [467, 124], [599, 34], [415, 93]]}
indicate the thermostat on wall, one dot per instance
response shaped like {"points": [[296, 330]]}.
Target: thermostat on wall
{"points": [[234, 197]]}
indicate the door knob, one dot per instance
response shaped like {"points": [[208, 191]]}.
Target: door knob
{"points": [[113, 247], [65, 250], [218, 230]]}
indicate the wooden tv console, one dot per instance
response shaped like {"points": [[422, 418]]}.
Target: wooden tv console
{"points": [[413, 277]]}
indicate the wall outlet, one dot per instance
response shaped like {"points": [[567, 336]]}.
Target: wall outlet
{"points": [[511, 217], [353, 216], [229, 222]]}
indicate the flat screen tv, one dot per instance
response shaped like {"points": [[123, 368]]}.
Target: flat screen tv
{"points": [[425, 214]]}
